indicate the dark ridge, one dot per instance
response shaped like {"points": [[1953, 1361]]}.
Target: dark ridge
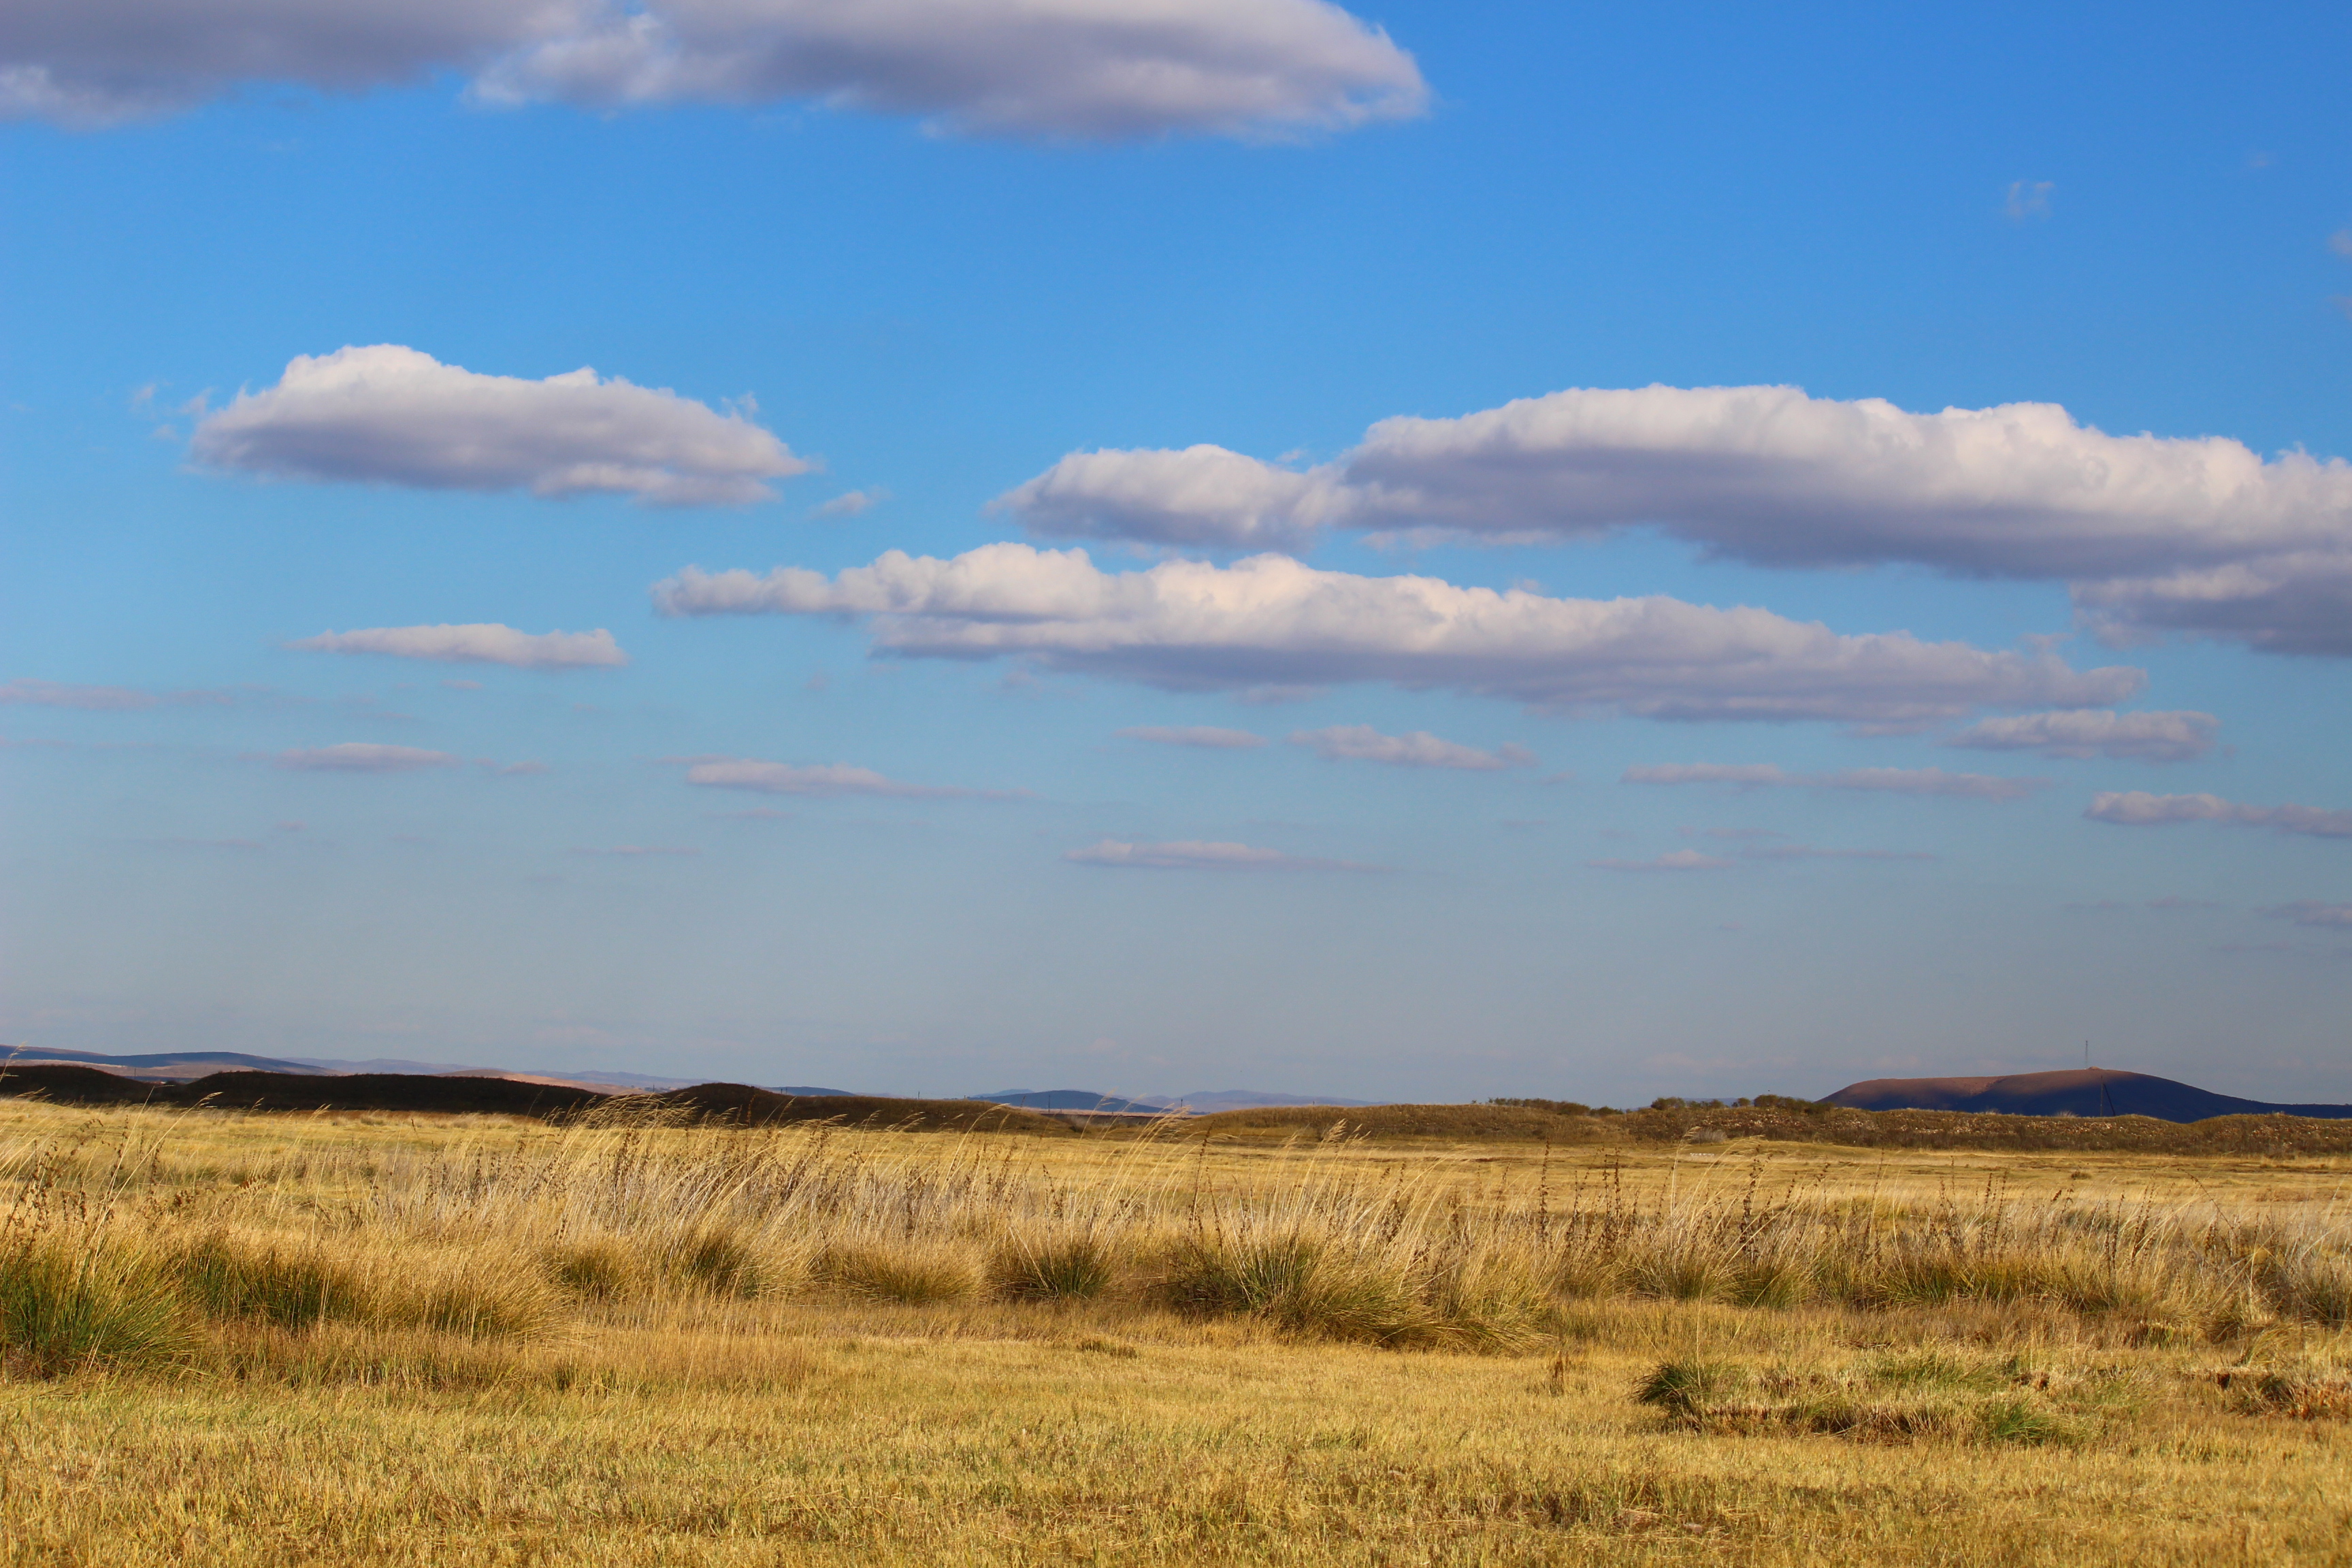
{"points": [[385, 1091], [742, 1104], [2078, 1091], [727, 1102], [72, 1085]]}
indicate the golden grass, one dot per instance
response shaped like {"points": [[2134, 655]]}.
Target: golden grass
{"points": [[380, 1339]]}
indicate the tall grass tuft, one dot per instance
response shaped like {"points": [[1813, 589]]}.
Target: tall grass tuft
{"points": [[227, 1275], [1047, 1267], [70, 1301]]}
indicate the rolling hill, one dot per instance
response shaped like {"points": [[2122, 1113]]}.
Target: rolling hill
{"points": [[2078, 1091]]}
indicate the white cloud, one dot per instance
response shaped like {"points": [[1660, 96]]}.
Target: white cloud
{"points": [[1205, 735], [1672, 860], [59, 694], [1080, 68], [1361, 743], [1192, 855], [363, 757], [2152, 533], [1202, 496], [2173, 737], [476, 644], [392, 416], [26, 692], [2311, 912], [1892, 781], [850, 504], [820, 779], [2027, 198], [2136, 808], [1270, 620]]}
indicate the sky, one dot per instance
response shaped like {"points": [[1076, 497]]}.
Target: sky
{"points": [[1420, 551]]}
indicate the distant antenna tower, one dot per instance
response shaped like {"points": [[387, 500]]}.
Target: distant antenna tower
{"points": [[2107, 1101]]}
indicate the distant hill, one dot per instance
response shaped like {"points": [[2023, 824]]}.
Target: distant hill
{"points": [[187, 1066], [2078, 1091], [1071, 1100], [1209, 1101], [80, 1083], [165, 1067]]}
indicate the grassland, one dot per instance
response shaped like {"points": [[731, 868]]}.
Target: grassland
{"points": [[268, 1338]]}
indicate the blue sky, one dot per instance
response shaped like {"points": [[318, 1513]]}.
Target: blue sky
{"points": [[1003, 306]]}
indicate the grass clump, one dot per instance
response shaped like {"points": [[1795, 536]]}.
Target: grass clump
{"points": [[908, 1272], [720, 1260], [69, 1302], [1052, 1268], [597, 1268], [1927, 1395], [226, 1275]]}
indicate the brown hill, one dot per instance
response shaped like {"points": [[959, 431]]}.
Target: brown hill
{"points": [[2079, 1091]]}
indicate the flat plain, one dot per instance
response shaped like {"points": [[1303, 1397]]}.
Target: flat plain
{"points": [[251, 1339]]}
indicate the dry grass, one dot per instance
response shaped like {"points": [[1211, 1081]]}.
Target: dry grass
{"points": [[246, 1340]]}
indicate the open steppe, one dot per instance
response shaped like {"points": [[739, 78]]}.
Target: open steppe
{"points": [[257, 1338]]}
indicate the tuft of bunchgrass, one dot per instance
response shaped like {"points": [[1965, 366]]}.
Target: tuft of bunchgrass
{"points": [[1052, 1268], [910, 1272], [597, 1269], [1686, 1388], [72, 1301], [292, 1284]]}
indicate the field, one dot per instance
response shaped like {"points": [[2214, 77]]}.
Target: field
{"points": [[269, 1338]]}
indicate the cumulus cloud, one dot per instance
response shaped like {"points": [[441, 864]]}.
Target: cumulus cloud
{"points": [[2152, 533], [477, 644], [1362, 743], [826, 779], [1672, 860], [1099, 69], [2174, 737], [2136, 808], [2311, 912], [1192, 854], [363, 757], [1270, 620], [1205, 736], [1891, 781], [390, 414]]}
